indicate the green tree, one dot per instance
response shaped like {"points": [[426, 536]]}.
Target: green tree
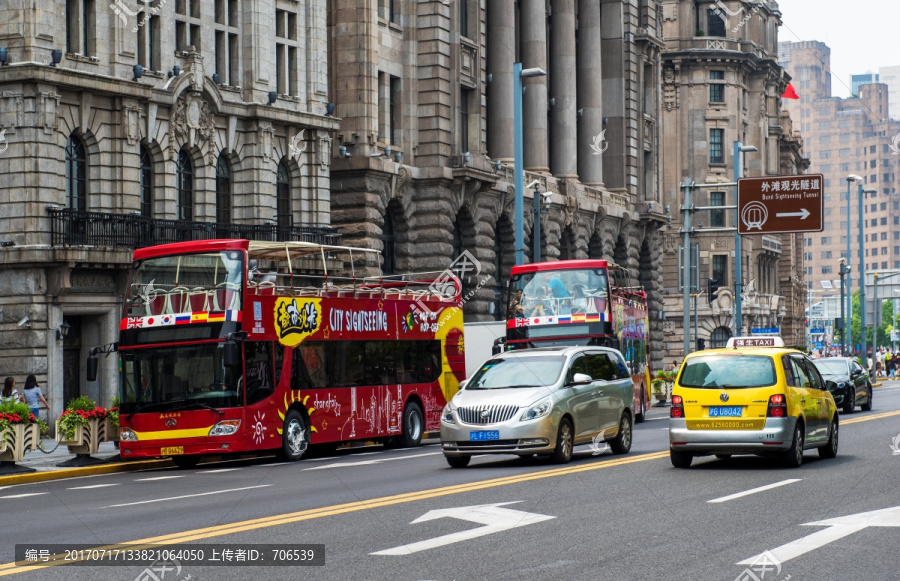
{"points": [[884, 329]]}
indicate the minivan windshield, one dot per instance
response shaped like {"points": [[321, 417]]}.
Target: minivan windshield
{"points": [[727, 371], [532, 371], [832, 367]]}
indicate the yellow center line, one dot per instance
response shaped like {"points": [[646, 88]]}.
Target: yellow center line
{"points": [[237, 527], [869, 418]]}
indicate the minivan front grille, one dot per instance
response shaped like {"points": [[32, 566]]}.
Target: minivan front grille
{"points": [[486, 414]]}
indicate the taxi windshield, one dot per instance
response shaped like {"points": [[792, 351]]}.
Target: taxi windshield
{"points": [[728, 371]]}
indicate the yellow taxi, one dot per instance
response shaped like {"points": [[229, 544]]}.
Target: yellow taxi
{"points": [[753, 397]]}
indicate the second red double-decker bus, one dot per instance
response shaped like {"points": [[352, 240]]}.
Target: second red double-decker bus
{"points": [[235, 346], [581, 302]]}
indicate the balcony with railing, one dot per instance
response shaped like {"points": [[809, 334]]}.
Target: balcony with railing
{"points": [[74, 228]]}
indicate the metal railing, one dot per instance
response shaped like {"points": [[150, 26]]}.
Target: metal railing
{"points": [[70, 227]]}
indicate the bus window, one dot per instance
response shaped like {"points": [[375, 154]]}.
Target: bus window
{"points": [[258, 357], [300, 378]]}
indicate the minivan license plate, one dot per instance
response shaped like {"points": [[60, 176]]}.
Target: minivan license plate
{"points": [[725, 411], [484, 436]]}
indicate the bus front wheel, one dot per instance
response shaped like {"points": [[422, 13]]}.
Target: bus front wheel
{"points": [[294, 436]]}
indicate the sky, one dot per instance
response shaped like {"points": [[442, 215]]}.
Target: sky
{"points": [[861, 34]]}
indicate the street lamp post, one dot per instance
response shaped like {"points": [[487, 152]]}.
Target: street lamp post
{"points": [[862, 269], [850, 179], [843, 271], [738, 170], [518, 75]]}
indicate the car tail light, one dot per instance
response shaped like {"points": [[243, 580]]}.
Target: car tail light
{"points": [[677, 407], [777, 406]]}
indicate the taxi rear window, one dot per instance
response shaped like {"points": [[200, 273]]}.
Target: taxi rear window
{"points": [[726, 371]]}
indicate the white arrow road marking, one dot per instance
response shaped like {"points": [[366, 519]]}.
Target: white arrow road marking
{"points": [[493, 516], [368, 462], [803, 214], [754, 490], [838, 528]]}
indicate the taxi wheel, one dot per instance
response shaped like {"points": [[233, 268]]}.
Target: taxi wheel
{"points": [[829, 450], [458, 461], [867, 407], [681, 459], [793, 458], [621, 444], [563, 452]]}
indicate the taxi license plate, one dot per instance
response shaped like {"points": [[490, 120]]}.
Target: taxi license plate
{"points": [[172, 451], [725, 411], [484, 436]]}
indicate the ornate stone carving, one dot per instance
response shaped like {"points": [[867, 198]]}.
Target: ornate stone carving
{"points": [[265, 138], [131, 120], [193, 125], [49, 107], [323, 151]]}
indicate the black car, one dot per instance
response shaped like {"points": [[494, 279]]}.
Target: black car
{"points": [[852, 385]]}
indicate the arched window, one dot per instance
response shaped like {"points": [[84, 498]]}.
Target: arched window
{"points": [[184, 174], [719, 337], [76, 174], [715, 23], [146, 176], [223, 191], [457, 239], [283, 212], [387, 240]]}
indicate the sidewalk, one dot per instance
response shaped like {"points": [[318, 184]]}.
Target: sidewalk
{"points": [[40, 466]]}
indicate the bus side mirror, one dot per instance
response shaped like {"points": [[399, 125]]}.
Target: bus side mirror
{"points": [[232, 354], [497, 348], [92, 363]]}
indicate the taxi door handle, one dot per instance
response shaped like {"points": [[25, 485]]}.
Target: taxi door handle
{"points": [[803, 400]]}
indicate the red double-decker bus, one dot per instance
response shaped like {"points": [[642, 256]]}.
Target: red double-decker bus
{"points": [[581, 302], [232, 346]]}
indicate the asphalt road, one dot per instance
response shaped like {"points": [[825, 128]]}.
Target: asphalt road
{"points": [[600, 517]]}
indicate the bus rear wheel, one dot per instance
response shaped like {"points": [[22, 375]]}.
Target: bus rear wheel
{"points": [[413, 426], [294, 436]]}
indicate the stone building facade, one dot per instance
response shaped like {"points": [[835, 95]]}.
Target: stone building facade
{"points": [[425, 150], [721, 83], [845, 137], [222, 131]]}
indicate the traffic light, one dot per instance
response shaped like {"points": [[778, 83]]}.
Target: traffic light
{"points": [[712, 285], [701, 344], [839, 324]]}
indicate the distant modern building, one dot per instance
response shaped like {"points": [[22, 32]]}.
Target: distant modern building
{"points": [[890, 76], [722, 83], [866, 78], [846, 137]]}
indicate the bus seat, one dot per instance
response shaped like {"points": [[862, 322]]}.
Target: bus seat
{"points": [[198, 300], [156, 302], [178, 300]]}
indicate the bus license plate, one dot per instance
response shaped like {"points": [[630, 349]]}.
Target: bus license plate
{"points": [[484, 436], [172, 451], [725, 411]]}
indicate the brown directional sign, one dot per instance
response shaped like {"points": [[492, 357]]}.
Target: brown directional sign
{"points": [[780, 204]]}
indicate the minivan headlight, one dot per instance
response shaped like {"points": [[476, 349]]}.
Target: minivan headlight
{"points": [[538, 410], [447, 415]]}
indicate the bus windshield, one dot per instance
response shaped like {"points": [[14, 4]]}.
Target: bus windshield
{"points": [[558, 292], [186, 282], [181, 377]]}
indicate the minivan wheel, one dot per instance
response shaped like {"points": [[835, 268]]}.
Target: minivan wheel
{"points": [[563, 452], [621, 444], [867, 407], [458, 461], [680, 459], [830, 449], [793, 458]]}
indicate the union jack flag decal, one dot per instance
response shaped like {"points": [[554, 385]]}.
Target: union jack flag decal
{"points": [[134, 322]]}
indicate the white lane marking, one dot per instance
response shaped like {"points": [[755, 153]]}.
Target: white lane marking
{"points": [[321, 459], [186, 496], [755, 490], [838, 528], [494, 517], [217, 470], [367, 453], [92, 486], [156, 478], [277, 464], [27, 494], [368, 462]]}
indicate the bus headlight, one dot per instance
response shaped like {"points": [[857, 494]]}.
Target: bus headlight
{"points": [[538, 410], [225, 428], [127, 435]]}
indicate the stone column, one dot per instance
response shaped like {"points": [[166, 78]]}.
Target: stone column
{"points": [[563, 114], [501, 53], [533, 40], [590, 92]]}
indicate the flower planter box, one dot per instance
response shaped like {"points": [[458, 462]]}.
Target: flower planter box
{"points": [[18, 439], [110, 432], [86, 439]]}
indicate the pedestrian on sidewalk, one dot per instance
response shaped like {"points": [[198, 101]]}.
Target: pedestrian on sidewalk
{"points": [[33, 395], [9, 391]]}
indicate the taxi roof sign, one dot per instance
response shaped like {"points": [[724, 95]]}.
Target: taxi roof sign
{"points": [[737, 342]]}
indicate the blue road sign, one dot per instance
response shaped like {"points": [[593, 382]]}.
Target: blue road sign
{"points": [[817, 331], [765, 331]]}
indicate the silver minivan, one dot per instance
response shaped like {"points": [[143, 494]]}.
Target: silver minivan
{"points": [[541, 401]]}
